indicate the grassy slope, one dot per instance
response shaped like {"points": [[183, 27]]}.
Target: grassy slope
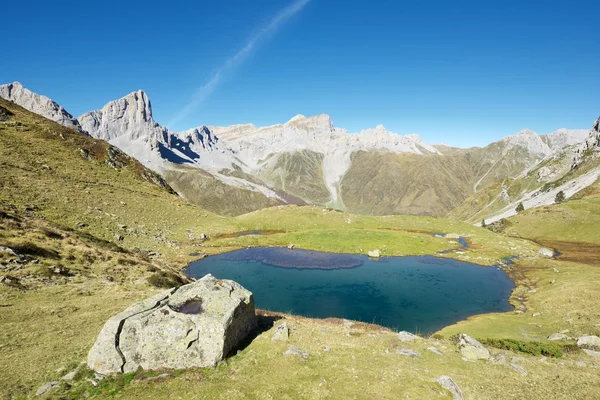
{"points": [[299, 173], [201, 188], [54, 323]]}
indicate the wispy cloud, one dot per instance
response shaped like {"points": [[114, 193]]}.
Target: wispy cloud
{"points": [[204, 91]]}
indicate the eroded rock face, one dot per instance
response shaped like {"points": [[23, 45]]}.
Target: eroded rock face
{"points": [[195, 325]]}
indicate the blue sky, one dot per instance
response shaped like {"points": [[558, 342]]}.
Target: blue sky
{"points": [[463, 72]]}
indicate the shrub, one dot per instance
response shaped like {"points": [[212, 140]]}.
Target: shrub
{"points": [[560, 197], [164, 279], [32, 249], [520, 208], [535, 348]]}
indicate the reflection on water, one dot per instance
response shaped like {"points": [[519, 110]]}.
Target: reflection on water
{"points": [[419, 294]]}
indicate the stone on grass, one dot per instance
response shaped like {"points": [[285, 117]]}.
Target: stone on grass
{"points": [[435, 351], [281, 333], [46, 387], [408, 353], [558, 336], [407, 336], [294, 351], [546, 252], [589, 342], [448, 383], [592, 353], [71, 375], [518, 368], [471, 349], [195, 325], [374, 253]]}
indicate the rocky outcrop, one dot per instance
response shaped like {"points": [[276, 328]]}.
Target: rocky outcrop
{"points": [[38, 104], [589, 146], [130, 115], [195, 325], [472, 349]]}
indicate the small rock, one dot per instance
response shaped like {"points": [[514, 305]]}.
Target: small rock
{"points": [[326, 348], [7, 250], [281, 333], [553, 281], [408, 353], [71, 375], [80, 225], [555, 270], [348, 323], [448, 383], [592, 353], [118, 237], [294, 351], [499, 359], [558, 336], [589, 342], [46, 387], [290, 247], [435, 351], [518, 368], [536, 314], [581, 364], [407, 336], [471, 349], [203, 236], [374, 253], [452, 236], [546, 252], [324, 330], [92, 381]]}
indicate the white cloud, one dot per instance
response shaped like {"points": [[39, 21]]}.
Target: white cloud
{"points": [[204, 91]]}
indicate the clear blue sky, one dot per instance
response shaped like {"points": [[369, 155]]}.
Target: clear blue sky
{"points": [[457, 72]]}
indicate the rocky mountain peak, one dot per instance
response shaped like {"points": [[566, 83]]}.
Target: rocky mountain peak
{"points": [[529, 140], [131, 115], [38, 104], [321, 122]]}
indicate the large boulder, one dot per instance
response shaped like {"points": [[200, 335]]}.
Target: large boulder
{"points": [[195, 325], [472, 349]]}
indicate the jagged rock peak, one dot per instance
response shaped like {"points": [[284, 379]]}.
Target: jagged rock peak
{"points": [[38, 104], [131, 115], [529, 140], [321, 122], [201, 135]]}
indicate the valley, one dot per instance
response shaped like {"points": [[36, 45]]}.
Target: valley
{"points": [[86, 230]]}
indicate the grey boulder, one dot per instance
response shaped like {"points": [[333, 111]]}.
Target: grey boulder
{"points": [[195, 325], [448, 383], [471, 349], [589, 342]]}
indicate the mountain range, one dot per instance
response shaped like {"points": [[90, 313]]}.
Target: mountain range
{"points": [[240, 168]]}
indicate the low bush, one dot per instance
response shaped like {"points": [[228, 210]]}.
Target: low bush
{"points": [[164, 279], [534, 348]]}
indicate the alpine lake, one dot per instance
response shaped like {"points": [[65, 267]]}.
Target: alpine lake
{"points": [[416, 294]]}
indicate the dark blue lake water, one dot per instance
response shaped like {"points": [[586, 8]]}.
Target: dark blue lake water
{"points": [[418, 294]]}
